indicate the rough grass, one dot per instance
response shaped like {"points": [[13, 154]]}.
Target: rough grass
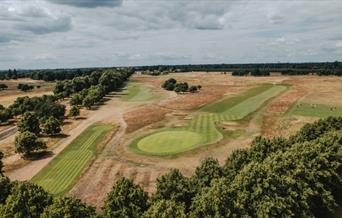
{"points": [[137, 92], [202, 129], [61, 173], [314, 110]]}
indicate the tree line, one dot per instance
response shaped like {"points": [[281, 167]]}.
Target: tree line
{"points": [[298, 176], [319, 68], [90, 90]]}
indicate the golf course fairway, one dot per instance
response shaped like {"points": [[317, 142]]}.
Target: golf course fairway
{"points": [[202, 129]]}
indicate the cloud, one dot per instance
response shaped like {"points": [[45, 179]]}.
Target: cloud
{"points": [[17, 18], [45, 26], [88, 3]]}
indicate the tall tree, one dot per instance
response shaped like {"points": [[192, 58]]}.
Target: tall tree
{"points": [[29, 122], [174, 186], [26, 200], [28, 142], [68, 207], [166, 209], [125, 200], [51, 126], [5, 187]]}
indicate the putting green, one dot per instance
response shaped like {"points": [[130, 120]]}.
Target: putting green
{"points": [[169, 142]]}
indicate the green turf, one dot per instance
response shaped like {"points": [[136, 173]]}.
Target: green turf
{"points": [[163, 142], [226, 103], [137, 92], [61, 173], [314, 110], [202, 129]]}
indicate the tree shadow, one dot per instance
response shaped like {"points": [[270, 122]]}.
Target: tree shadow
{"points": [[59, 136], [39, 155]]}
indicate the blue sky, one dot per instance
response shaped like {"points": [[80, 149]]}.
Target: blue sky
{"points": [[85, 33]]}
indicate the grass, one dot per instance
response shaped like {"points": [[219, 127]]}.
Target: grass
{"points": [[137, 92], [202, 129], [61, 173], [226, 103], [314, 110], [163, 142]]}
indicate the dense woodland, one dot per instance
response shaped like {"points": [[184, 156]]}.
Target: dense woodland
{"points": [[295, 177]]}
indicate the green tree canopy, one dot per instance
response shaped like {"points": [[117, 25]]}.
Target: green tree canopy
{"points": [[74, 111], [174, 186], [165, 209], [208, 170], [5, 187], [27, 142], [125, 200], [29, 122], [26, 200], [51, 126], [68, 207]]}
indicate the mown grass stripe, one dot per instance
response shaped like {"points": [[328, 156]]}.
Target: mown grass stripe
{"points": [[63, 170]]}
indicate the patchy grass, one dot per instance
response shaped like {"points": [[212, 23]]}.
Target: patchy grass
{"points": [[61, 173], [202, 129], [314, 110], [137, 92]]}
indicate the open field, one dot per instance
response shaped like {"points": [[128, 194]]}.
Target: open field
{"points": [[58, 176], [8, 96]]}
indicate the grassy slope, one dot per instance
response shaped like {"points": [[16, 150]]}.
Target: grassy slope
{"points": [[204, 124], [322, 111], [61, 173], [137, 92]]}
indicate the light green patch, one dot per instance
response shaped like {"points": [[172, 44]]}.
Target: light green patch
{"points": [[314, 110], [61, 173], [137, 92], [169, 142], [202, 128]]}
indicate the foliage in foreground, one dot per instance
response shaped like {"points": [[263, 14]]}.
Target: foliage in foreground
{"points": [[295, 177]]}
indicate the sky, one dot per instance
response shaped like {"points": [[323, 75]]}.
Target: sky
{"points": [[101, 33]]}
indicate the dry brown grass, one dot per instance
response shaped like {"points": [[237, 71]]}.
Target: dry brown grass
{"points": [[8, 96]]}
